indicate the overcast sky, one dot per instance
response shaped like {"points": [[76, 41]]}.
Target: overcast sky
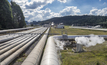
{"points": [[38, 10]]}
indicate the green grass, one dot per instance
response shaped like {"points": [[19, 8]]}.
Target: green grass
{"points": [[72, 31], [95, 55]]}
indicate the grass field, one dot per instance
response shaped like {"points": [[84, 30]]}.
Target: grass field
{"points": [[72, 31], [95, 55]]}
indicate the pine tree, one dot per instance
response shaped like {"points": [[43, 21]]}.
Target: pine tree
{"points": [[18, 16], [6, 17]]}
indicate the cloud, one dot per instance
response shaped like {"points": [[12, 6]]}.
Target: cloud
{"points": [[63, 1], [99, 0], [104, 3], [102, 12], [71, 10], [39, 15], [94, 11], [32, 10], [34, 5], [37, 3]]}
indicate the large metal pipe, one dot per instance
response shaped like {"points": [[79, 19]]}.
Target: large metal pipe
{"points": [[20, 34], [18, 29], [15, 54], [10, 37], [73, 36], [12, 46], [34, 57], [19, 38], [50, 56], [12, 42], [99, 29], [16, 41], [6, 54]]}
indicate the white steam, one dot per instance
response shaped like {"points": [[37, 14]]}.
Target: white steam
{"points": [[91, 41], [60, 44]]}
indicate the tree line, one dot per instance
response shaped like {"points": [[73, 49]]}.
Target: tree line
{"points": [[11, 15], [84, 20]]}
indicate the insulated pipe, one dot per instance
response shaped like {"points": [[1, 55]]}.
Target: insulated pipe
{"points": [[99, 29], [10, 43], [73, 36], [18, 29], [12, 46], [34, 57], [50, 56], [12, 37], [6, 39], [17, 53], [9, 47], [15, 48]]}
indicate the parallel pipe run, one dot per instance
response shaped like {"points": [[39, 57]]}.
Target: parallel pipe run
{"points": [[15, 44], [10, 43], [20, 34], [6, 54], [7, 60], [50, 56], [34, 57], [19, 51], [10, 37], [18, 29]]}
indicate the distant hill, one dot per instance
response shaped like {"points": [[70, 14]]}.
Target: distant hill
{"points": [[79, 20]]}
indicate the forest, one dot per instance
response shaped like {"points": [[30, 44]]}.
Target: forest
{"points": [[83, 20], [11, 15]]}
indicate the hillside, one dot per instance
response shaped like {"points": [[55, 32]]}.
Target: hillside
{"points": [[79, 20]]}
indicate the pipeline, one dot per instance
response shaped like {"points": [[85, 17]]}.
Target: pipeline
{"points": [[17, 41], [6, 54], [2, 46], [98, 29], [50, 56], [35, 55], [18, 29], [12, 46], [8, 37], [19, 51], [30, 31]]}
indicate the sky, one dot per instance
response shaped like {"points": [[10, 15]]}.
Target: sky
{"points": [[39, 10]]}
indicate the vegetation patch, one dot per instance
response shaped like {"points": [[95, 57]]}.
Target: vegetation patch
{"points": [[94, 55]]}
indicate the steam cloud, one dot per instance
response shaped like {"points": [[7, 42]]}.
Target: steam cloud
{"points": [[91, 41], [60, 44]]}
